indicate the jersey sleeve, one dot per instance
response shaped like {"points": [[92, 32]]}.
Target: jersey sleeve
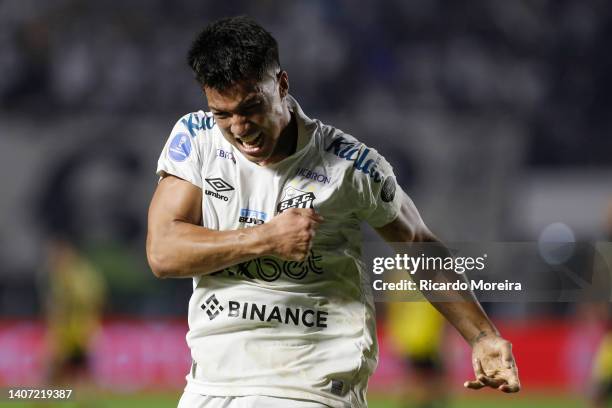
{"points": [[376, 188], [181, 155]]}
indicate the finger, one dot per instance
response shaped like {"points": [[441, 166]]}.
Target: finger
{"points": [[474, 385], [512, 382], [477, 366], [312, 214], [492, 382], [507, 356], [299, 258], [307, 212], [479, 373], [315, 225], [482, 377], [310, 243], [507, 388], [316, 217]]}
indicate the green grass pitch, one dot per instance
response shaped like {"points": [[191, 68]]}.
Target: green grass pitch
{"points": [[165, 400]]}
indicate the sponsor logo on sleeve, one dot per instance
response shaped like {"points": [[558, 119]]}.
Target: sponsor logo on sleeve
{"points": [[180, 147], [248, 216], [336, 387], [193, 123], [219, 186], [269, 313], [387, 192], [358, 154], [294, 198]]}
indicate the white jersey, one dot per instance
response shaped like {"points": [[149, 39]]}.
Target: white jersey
{"points": [[303, 330]]}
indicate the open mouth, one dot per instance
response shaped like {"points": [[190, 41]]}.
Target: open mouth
{"points": [[252, 143]]}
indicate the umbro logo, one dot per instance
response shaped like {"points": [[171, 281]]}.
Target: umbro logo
{"points": [[219, 185], [212, 307]]}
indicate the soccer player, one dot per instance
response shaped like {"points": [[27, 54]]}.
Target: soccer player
{"points": [[416, 332], [261, 205], [75, 293]]}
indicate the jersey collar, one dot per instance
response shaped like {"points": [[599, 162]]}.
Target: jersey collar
{"points": [[306, 126]]}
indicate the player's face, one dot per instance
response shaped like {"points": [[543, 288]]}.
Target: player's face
{"points": [[252, 115]]}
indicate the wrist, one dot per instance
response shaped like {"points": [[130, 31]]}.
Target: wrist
{"points": [[482, 335], [263, 244]]}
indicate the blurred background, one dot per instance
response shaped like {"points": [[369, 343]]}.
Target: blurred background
{"points": [[494, 114]]}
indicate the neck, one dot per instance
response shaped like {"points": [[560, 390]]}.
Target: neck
{"points": [[287, 140]]}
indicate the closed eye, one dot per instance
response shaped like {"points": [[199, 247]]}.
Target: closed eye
{"points": [[251, 108]]}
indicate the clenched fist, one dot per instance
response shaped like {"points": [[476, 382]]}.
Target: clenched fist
{"points": [[291, 233]]}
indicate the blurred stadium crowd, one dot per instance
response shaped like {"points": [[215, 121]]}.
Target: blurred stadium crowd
{"points": [[541, 64], [494, 114]]}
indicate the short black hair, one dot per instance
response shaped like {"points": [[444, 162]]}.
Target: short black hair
{"points": [[231, 50]]}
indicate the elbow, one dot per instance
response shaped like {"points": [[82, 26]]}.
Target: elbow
{"points": [[158, 266], [158, 261], [422, 234]]}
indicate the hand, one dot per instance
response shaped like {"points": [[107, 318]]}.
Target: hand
{"points": [[291, 233], [494, 365]]}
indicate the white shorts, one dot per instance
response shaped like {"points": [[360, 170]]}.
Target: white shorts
{"points": [[192, 400]]}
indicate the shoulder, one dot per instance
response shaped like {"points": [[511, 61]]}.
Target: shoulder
{"points": [[192, 136], [368, 180], [198, 129], [195, 124], [344, 150]]}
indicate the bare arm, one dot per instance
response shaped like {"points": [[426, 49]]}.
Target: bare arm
{"points": [[467, 316], [178, 246]]}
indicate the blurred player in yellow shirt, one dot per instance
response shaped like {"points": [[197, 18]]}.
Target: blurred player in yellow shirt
{"points": [[602, 372], [416, 329], [602, 366], [74, 300]]}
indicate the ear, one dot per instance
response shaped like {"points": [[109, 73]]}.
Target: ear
{"points": [[283, 84]]}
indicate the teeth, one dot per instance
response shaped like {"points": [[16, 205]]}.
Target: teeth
{"points": [[250, 139]]}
